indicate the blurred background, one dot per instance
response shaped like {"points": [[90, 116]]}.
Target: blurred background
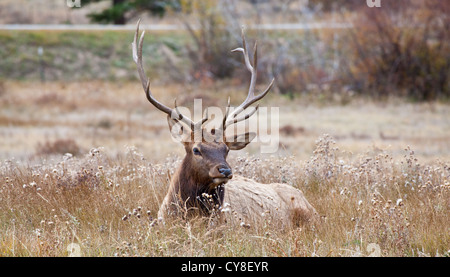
{"points": [[376, 79]]}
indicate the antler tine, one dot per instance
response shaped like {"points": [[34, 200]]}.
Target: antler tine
{"points": [[241, 118], [180, 117], [227, 110], [255, 56], [137, 57], [251, 98], [205, 118]]}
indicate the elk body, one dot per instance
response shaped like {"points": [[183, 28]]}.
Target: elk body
{"points": [[204, 183]]}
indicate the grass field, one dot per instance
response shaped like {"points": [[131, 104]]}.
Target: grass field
{"points": [[380, 179]]}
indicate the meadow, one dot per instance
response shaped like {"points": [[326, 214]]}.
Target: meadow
{"points": [[88, 163]]}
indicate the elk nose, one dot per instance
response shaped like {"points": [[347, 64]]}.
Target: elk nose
{"points": [[225, 171]]}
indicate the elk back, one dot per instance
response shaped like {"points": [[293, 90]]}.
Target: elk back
{"points": [[251, 203]]}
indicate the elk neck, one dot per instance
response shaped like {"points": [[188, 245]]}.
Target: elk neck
{"points": [[194, 189]]}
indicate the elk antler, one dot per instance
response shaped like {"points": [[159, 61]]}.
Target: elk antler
{"points": [[174, 113], [232, 118]]}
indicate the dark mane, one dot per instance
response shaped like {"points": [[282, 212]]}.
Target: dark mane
{"points": [[194, 194]]}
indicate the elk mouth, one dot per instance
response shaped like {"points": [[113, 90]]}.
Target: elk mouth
{"points": [[221, 180]]}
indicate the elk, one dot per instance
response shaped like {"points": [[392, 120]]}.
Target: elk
{"points": [[204, 183]]}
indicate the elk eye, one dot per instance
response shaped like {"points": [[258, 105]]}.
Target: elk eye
{"points": [[196, 151]]}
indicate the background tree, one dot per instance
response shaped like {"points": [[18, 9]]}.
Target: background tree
{"points": [[402, 49], [121, 11]]}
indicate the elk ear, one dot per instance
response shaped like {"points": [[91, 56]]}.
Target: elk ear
{"points": [[237, 142]]}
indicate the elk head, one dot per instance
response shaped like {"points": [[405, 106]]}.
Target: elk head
{"points": [[204, 166]]}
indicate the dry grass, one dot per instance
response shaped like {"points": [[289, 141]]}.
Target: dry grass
{"points": [[368, 193], [107, 206]]}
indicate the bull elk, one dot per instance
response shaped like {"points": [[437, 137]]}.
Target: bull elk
{"points": [[204, 183]]}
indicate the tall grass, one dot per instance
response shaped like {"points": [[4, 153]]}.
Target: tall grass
{"points": [[107, 205]]}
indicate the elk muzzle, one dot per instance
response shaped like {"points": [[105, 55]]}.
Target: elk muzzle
{"points": [[220, 174]]}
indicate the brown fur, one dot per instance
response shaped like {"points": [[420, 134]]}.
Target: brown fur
{"points": [[192, 186]]}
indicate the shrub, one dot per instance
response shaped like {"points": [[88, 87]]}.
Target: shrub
{"points": [[402, 49], [59, 146], [212, 41]]}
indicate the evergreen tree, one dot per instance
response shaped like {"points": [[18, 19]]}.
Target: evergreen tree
{"points": [[121, 11]]}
